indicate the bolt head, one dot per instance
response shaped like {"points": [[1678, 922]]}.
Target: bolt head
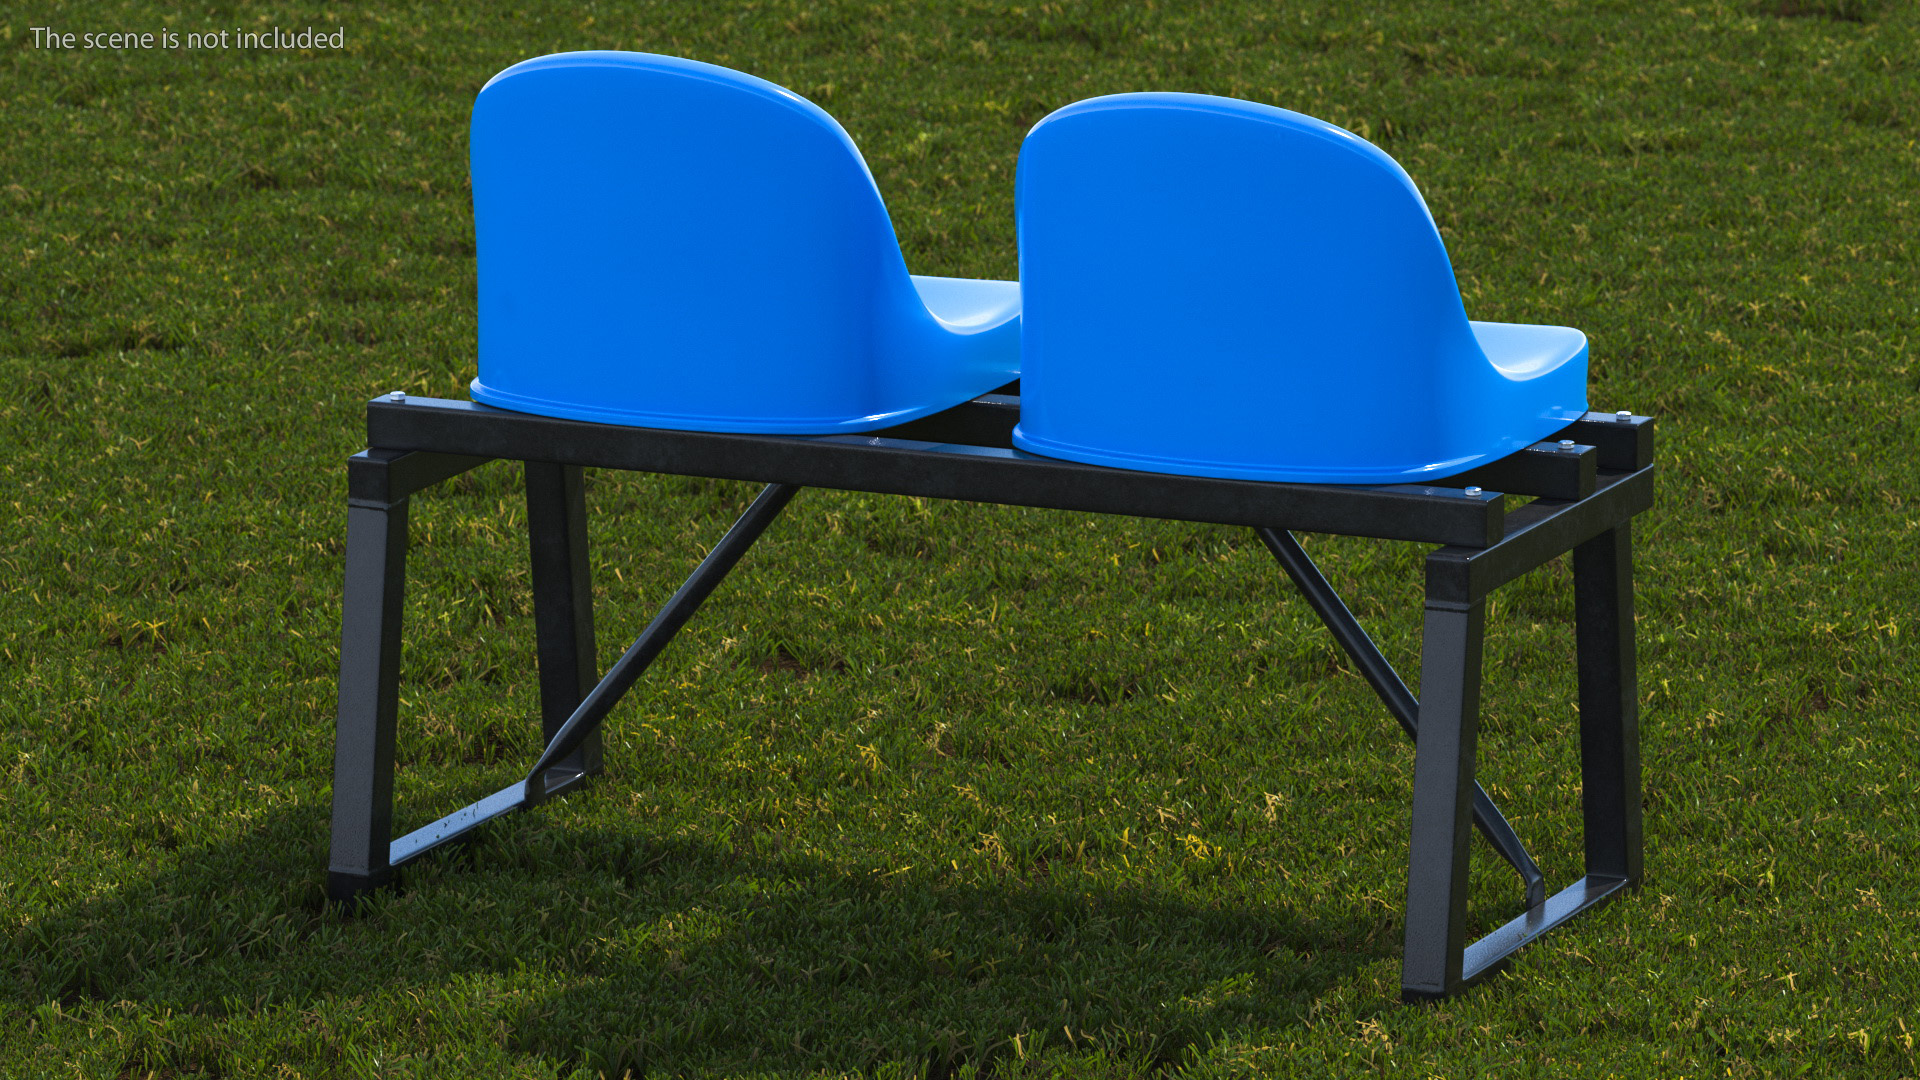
{"points": [[1623, 415], [397, 395], [1471, 492], [1566, 444]]}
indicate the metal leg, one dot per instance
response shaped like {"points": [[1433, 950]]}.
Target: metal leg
{"points": [[1346, 629], [1436, 964], [1609, 708], [369, 697], [562, 602], [1442, 799]]}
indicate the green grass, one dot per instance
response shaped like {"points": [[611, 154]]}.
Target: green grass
{"points": [[936, 788]]}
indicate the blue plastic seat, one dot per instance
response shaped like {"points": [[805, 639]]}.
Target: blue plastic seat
{"points": [[667, 243], [1220, 288]]}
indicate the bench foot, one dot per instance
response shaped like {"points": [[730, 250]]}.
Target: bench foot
{"points": [[350, 889]]}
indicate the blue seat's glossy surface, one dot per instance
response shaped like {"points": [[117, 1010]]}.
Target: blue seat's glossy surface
{"points": [[1221, 288], [667, 243]]}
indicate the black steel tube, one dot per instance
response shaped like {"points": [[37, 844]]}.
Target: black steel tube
{"points": [[1345, 628], [1399, 700], [1609, 703], [883, 464], [370, 620], [1437, 840], [627, 670]]}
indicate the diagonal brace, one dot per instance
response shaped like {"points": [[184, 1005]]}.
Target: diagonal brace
{"points": [[627, 670], [1399, 700], [551, 775]]}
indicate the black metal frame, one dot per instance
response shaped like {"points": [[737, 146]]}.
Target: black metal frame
{"points": [[1587, 483]]}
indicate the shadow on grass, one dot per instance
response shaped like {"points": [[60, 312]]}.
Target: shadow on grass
{"points": [[619, 950]]}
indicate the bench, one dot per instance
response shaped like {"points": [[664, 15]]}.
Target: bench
{"points": [[1585, 485]]}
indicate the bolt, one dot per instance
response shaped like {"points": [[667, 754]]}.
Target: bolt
{"points": [[1566, 444], [1624, 415], [1472, 492], [397, 395]]}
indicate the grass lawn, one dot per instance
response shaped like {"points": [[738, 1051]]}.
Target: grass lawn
{"points": [[941, 789]]}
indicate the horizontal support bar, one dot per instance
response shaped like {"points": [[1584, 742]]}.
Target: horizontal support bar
{"points": [[1484, 957], [987, 420], [1624, 445], [1536, 532], [941, 471], [466, 819], [1545, 469], [385, 476]]}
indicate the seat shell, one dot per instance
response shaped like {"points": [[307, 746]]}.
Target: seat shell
{"points": [[1221, 288], [668, 243]]}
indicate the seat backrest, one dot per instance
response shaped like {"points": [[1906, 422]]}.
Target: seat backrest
{"points": [[687, 239], [1197, 271]]}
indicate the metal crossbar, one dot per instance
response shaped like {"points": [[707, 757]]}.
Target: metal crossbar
{"points": [[1588, 484]]}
